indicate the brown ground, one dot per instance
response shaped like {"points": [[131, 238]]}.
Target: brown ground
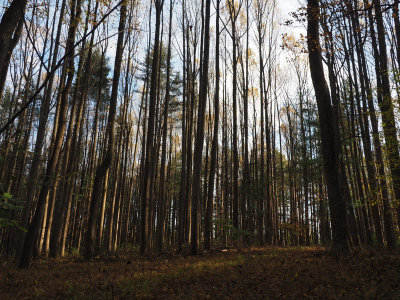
{"points": [[262, 273]]}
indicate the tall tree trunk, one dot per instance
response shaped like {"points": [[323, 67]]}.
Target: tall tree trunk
{"points": [[10, 32], [233, 12], [41, 131], [146, 187], [33, 231], [387, 217], [386, 106], [102, 169], [214, 147], [182, 189], [330, 156], [198, 151], [162, 194]]}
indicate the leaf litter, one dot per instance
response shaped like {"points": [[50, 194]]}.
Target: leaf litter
{"points": [[261, 273]]}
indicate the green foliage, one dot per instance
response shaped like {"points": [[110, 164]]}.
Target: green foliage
{"points": [[74, 251], [6, 104], [99, 80], [7, 206], [175, 85]]}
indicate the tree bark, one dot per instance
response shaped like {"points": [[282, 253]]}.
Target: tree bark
{"points": [[330, 156]]}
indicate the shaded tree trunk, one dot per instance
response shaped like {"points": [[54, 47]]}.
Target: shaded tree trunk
{"points": [[330, 156]]}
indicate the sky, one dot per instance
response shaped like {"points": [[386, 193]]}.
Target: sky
{"points": [[287, 6]]}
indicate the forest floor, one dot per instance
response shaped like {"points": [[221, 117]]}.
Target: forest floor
{"points": [[261, 273]]}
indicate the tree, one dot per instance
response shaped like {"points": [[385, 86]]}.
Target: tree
{"points": [[337, 204], [10, 32], [102, 169], [147, 188], [214, 147], [33, 231], [198, 150]]}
